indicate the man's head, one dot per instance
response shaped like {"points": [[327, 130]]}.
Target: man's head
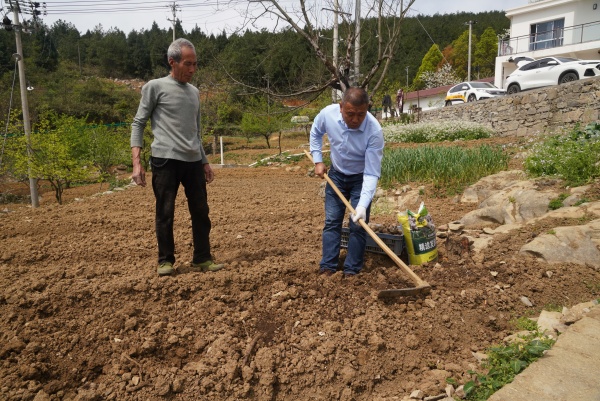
{"points": [[182, 59], [354, 106]]}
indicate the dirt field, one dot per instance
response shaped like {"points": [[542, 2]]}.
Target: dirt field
{"points": [[83, 315]]}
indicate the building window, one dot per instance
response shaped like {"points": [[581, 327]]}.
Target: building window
{"points": [[546, 35]]}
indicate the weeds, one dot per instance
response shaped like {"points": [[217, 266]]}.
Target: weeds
{"points": [[574, 157], [557, 203], [524, 323], [504, 363]]}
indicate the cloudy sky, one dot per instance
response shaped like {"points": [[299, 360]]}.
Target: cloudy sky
{"points": [[215, 16]]}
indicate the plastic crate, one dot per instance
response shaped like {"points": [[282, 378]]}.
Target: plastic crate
{"points": [[394, 242]]}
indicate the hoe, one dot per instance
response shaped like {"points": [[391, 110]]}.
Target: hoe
{"points": [[421, 287]]}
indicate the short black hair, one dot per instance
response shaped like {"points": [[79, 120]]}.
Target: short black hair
{"points": [[356, 96]]}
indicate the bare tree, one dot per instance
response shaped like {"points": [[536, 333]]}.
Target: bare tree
{"points": [[309, 21]]}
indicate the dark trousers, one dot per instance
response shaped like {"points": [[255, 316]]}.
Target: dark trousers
{"points": [[335, 210], [167, 174]]}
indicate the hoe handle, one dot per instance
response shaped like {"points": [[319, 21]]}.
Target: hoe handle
{"points": [[416, 279]]}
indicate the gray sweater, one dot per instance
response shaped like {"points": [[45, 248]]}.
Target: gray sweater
{"points": [[173, 109]]}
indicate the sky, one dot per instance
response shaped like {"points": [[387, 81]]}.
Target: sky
{"points": [[216, 16]]}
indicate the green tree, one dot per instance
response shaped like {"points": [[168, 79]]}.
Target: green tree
{"points": [[66, 39], [429, 65], [460, 53], [55, 157], [485, 53]]}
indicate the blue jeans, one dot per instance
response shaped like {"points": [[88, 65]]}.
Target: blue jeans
{"points": [[167, 174], [335, 209]]}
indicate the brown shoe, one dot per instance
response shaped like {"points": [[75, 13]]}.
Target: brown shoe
{"points": [[326, 272]]}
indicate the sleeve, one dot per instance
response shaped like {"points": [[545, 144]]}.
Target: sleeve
{"points": [[316, 138], [373, 158], [145, 109], [204, 158]]}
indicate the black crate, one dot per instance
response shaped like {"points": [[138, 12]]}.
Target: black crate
{"points": [[394, 242]]}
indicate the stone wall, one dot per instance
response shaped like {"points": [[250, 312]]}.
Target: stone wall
{"points": [[531, 112]]}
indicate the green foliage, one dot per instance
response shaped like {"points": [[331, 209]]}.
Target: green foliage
{"points": [[452, 167], [431, 62], [436, 132], [524, 323], [504, 363], [460, 53], [485, 53], [557, 203], [574, 157], [53, 156], [66, 150]]}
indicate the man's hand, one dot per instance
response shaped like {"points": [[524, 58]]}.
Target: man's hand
{"points": [[138, 174], [361, 213], [208, 173], [320, 169]]}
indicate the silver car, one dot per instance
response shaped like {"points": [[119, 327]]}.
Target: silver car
{"points": [[550, 71]]}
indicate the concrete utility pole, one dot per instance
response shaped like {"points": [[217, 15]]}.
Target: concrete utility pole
{"points": [[35, 201], [357, 44], [470, 23], [174, 21]]}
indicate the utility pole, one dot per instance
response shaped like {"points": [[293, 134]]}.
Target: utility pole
{"points": [[357, 44], [174, 21], [406, 77], [35, 202], [470, 23]]}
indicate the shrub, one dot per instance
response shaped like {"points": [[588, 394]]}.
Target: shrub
{"points": [[574, 157], [436, 132]]}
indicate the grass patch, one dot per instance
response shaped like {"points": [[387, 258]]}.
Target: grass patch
{"points": [[574, 157], [557, 203], [424, 132], [451, 167], [524, 323]]}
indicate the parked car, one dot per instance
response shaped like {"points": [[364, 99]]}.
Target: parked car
{"points": [[550, 71], [472, 91]]}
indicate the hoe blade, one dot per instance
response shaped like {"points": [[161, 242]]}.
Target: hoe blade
{"points": [[404, 292]]}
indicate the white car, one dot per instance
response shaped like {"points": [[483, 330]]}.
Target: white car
{"points": [[550, 71], [472, 91]]}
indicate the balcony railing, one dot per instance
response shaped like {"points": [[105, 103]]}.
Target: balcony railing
{"points": [[550, 39]]}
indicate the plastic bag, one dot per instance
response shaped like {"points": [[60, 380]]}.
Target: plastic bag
{"points": [[419, 235]]}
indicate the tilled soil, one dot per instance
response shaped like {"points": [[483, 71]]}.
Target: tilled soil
{"points": [[84, 316]]}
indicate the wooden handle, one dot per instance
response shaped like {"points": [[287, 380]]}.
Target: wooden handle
{"points": [[416, 279]]}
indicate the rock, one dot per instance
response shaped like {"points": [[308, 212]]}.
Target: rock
{"points": [[547, 322], [41, 396], [526, 301], [178, 385], [567, 244], [162, 386], [417, 395]]}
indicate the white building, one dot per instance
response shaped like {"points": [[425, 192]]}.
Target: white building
{"points": [[542, 28]]}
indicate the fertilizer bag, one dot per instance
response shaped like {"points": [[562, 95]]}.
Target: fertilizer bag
{"points": [[419, 236]]}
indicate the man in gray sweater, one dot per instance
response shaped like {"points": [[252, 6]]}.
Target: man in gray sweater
{"points": [[172, 105]]}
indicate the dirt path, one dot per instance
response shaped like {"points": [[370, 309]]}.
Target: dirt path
{"points": [[84, 316]]}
